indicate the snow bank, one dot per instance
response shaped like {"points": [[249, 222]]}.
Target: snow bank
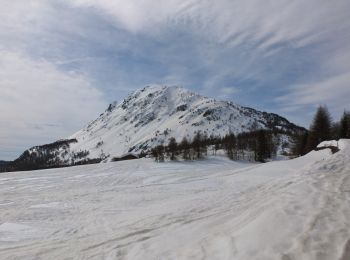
{"points": [[328, 143], [341, 144]]}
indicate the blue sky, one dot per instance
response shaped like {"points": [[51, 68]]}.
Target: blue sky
{"points": [[62, 62]]}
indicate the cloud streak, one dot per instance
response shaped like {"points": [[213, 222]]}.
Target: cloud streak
{"points": [[231, 22], [39, 102], [334, 92], [281, 56], [252, 32]]}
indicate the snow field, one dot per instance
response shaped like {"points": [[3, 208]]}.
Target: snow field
{"points": [[210, 209]]}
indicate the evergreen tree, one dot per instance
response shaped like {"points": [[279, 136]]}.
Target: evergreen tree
{"points": [[262, 147], [158, 153], [154, 153], [197, 145], [172, 148], [240, 146], [204, 144], [344, 131], [184, 147], [229, 144], [320, 129], [300, 144], [335, 130]]}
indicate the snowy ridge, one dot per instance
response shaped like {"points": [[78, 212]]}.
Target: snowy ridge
{"points": [[213, 209], [152, 115]]}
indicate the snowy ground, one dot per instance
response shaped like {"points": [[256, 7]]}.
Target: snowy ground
{"points": [[213, 209]]}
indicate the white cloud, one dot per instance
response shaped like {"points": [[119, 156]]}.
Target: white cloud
{"points": [[141, 15], [40, 103], [257, 29], [329, 86], [333, 92], [226, 93], [229, 42], [231, 21]]}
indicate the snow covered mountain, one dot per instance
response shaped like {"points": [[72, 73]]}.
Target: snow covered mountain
{"points": [[150, 116]]}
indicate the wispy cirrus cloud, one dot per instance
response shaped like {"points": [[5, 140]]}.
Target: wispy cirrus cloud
{"points": [[275, 44], [334, 92], [281, 56], [232, 22]]}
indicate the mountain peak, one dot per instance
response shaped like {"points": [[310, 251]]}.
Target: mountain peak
{"points": [[161, 90], [151, 116]]}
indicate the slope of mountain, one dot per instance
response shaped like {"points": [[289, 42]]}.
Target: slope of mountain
{"points": [[151, 116]]}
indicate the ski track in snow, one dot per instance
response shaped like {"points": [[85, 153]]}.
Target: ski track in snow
{"points": [[212, 209]]}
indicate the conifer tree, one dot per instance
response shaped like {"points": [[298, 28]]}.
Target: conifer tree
{"points": [[335, 130], [184, 147], [154, 153], [172, 148], [262, 148], [204, 144], [161, 151], [320, 129], [197, 145], [229, 143], [158, 153], [300, 144], [344, 131]]}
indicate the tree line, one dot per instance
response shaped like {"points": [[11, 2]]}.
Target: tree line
{"points": [[322, 129], [256, 145]]}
